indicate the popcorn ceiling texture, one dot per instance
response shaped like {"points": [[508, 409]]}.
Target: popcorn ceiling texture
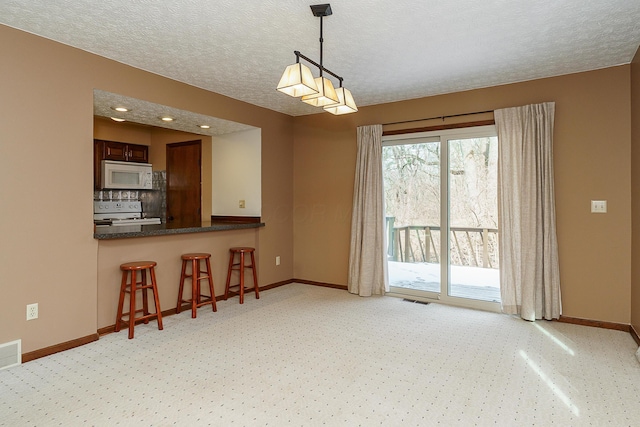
{"points": [[385, 51]]}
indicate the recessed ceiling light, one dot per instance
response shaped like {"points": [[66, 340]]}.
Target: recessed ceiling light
{"points": [[204, 126], [116, 119], [167, 119], [121, 109]]}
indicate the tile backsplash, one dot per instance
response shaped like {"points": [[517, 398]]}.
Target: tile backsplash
{"points": [[116, 195], [154, 202]]}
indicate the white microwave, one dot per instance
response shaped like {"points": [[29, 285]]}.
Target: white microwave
{"points": [[126, 175]]}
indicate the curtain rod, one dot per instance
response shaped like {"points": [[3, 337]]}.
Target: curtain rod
{"points": [[438, 117]]}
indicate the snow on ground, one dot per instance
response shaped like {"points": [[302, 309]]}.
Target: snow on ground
{"points": [[402, 272]]}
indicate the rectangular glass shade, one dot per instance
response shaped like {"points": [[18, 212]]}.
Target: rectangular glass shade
{"points": [[326, 95], [346, 104], [297, 80]]}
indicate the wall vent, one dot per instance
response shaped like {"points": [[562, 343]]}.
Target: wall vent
{"points": [[10, 354]]}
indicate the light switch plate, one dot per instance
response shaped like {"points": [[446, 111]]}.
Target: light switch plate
{"points": [[598, 206]]}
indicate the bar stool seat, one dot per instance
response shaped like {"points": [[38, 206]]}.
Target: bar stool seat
{"points": [[241, 266], [197, 298], [132, 269]]}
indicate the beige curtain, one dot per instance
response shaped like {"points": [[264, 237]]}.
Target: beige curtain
{"points": [[529, 269], [367, 262]]}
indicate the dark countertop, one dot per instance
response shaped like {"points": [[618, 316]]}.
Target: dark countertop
{"points": [[127, 231]]}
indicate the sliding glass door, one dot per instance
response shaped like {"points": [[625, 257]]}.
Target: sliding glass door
{"points": [[441, 216]]}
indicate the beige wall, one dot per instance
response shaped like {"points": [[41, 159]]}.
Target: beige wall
{"points": [[592, 149], [635, 195], [48, 254]]}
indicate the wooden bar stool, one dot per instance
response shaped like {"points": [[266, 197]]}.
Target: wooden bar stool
{"points": [[197, 298], [132, 287], [240, 266]]}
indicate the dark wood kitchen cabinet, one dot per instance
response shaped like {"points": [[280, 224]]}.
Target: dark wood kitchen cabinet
{"points": [[119, 151], [122, 152]]}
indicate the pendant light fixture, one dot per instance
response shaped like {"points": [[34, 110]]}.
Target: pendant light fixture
{"points": [[297, 79]]}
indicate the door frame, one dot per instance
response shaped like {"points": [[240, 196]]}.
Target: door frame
{"points": [[445, 268]]}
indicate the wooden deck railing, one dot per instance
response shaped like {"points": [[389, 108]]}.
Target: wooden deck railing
{"points": [[469, 246]]}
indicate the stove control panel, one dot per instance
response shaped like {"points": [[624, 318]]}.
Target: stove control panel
{"points": [[116, 207]]}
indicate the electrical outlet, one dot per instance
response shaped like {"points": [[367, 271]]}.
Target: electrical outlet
{"points": [[241, 204], [32, 311], [277, 260]]}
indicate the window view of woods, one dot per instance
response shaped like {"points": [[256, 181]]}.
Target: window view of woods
{"points": [[473, 186], [413, 200], [412, 183]]}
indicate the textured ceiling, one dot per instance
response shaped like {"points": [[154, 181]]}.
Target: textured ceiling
{"points": [[385, 50], [148, 113]]}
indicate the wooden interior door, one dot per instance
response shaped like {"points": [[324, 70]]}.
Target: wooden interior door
{"points": [[184, 183]]}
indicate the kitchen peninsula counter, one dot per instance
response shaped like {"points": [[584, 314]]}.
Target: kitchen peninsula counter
{"points": [[129, 231], [165, 245]]}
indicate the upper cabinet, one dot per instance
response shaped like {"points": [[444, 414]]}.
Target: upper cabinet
{"points": [[122, 152], [119, 151]]}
